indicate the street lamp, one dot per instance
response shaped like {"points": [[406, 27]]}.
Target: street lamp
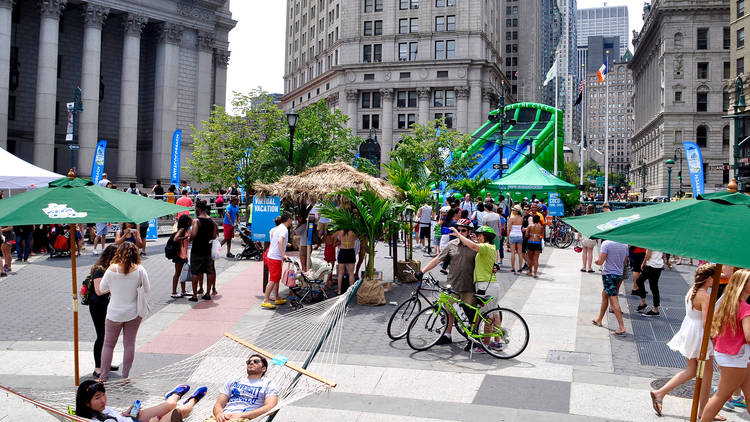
{"points": [[77, 108], [739, 101], [643, 182], [291, 120], [669, 163], [678, 151]]}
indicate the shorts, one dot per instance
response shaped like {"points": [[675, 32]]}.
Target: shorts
{"points": [[534, 246], [274, 269], [143, 230], [424, 231], [514, 240], [347, 256], [179, 260], [202, 264], [610, 282], [467, 297], [491, 289], [102, 229], [636, 261], [228, 231], [740, 360]]}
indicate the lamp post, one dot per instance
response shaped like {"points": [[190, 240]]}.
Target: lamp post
{"points": [[291, 120], [678, 151], [77, 108], [669, 163], [643, 181], [739, 101]]}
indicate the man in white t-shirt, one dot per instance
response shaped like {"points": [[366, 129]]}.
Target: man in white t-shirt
{"points": [[104, 182], [468, 205], [274, 259], [424, 216], [246, 397]]}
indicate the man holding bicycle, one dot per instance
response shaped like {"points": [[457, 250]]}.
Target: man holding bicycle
{"points": [[461, 275]]}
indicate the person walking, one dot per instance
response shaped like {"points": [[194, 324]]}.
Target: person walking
{"points": [[496, 222], [613, 258], [478, 216], [347, 257], [587, 246], [651, 269], [98, 305], [184, 201], [688, 339], [468, 205], [182, 240], [424, 218], [229, 222], [102, 229], [122, 279], [515, 238], [274, 258], [23, 242], [202, 232]]}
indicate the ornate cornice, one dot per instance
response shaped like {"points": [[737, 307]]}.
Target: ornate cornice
{"points": [[133, 24], [462, 92], [52, 8], [352, 95], [7, 4], [169, 32], [423, 93], [192, 10], [205, 40], [95, 15], [222, 57], [386, 93]]}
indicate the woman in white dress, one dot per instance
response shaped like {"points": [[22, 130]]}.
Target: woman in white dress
{"points": [[687, 341]]}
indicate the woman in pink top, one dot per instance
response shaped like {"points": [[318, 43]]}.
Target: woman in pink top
{"points": [[731, 334]]}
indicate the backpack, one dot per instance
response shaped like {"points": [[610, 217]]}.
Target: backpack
{"points": [[172, 249], [86, 288]]}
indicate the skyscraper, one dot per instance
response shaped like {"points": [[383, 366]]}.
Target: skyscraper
{"points": [[611, 21]]}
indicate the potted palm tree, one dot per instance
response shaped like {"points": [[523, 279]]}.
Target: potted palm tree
{"points": [[369, 217]]}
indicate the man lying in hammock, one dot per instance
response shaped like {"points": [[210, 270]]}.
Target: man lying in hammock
{"points": [[247, 397]]}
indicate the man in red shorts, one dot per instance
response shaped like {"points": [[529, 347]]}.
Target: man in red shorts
{"points": [[230, 220], [274, 259]]}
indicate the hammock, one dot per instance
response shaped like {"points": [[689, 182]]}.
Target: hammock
{"points": [[301, 347]]}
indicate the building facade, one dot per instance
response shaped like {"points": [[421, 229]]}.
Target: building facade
{"points": [[388, 64], [525, 46], [739, 55], [608, 21], [680, 70], [568, 72], [144, 69]]}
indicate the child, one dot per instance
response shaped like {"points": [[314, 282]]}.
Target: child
{"points": [[329, 254]]}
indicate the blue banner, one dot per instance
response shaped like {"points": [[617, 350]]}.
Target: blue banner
{"points": [[174, 173], [265, 211], [695, 166], [555, 205], [153, 230], [97, 167]]}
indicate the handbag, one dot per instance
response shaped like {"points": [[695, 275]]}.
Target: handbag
{"points": [[142, 306], [215, 249], [185, 274]]}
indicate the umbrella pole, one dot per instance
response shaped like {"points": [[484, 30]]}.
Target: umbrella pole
{"points": [[704, 344], [73, 245]]}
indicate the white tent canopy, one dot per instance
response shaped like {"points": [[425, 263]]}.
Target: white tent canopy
{"points": [[16, 173]]}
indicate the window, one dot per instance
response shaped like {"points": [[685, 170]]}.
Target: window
{"points": [[367, 29], [403, 26], [404, 75], [740, 37], [378, 7], [367, 53], [413, 50], [740, 66], [727, 71], [414, 25], [702, 102], [448, 119], [445, 49], [678, 96], [702, 72], [725, 137], [439, 23], [701, 136], [403, 51], [369, 6], [727, 40], [725, 100], [442, 73], [411, 99], [406, 120], [444, 98], [370, 121], [450, 22], [678, 40], [365, 121], [740, 8], [415, 4], [438, 99], [403, 4], [369, 76], [702, 39], [378, 30], [11, 107]]}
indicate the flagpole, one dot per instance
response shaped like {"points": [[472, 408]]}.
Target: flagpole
{"points": [[583, 112], [556, 110], [606, 139]]}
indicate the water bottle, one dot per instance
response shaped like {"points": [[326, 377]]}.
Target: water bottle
{"points": [[136, 409]]}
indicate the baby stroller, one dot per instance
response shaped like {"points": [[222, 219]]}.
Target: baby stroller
{"points": [[59, 242], [251, 250], [306, 287]]}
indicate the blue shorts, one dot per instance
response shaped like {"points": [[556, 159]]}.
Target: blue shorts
{"points": [[610, 282], [514, 240]]}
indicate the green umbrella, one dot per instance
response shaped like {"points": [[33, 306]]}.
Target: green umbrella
{"points": [[73, 201], [713, 227]]}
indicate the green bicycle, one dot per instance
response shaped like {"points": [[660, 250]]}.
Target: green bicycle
{"points": [[500, 332]]}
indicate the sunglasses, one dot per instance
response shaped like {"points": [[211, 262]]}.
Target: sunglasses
{"points": [[254, 360], [463, 230]]}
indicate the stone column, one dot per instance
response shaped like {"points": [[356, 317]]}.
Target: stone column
{"points": [[46, 83], [165, 98], [6, 11], [131, 54], [462, 105], [386, 121], [221, 61], [487, 95], [423, 96], [352, 98], [205, 46], [475, 106], [88, 120]]}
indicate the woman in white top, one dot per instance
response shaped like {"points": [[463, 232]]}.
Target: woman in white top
{"points": [[651, 268], [121, 280]]}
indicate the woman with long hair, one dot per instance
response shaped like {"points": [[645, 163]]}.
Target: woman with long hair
{"points": [[587, 246], [91, 403], [515, 238], [98, 304], [121, 280], [687, 341], [182, 239], [535, 233], [730, 330]]}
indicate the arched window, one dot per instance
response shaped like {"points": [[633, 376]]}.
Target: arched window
{"points": [[678, 40], [701, 136], [725, 137]]}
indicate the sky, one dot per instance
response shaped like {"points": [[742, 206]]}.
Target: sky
{"points": [[257, 42]]}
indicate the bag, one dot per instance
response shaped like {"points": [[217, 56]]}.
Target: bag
{"points": [[86, 288], [215, 249], [185, 274], [577, 246], [142, 306], [288, 277], [172, 249]]}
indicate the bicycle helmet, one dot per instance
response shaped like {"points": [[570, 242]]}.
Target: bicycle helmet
{"points": [[487, 232], [465, 222]]}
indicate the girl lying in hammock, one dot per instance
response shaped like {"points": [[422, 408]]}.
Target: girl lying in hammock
{"points": [[91, 402]]}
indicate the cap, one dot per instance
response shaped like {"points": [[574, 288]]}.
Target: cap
{"points": [[445, 209]]}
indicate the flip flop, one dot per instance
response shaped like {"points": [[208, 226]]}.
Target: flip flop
{"points": [[595, 323], [618, 333], [655, 403]]}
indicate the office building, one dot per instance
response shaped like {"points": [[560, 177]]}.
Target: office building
{"points": [[608, 21], [738, 56]]}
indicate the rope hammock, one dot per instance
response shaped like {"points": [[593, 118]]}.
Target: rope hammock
{"points": [[302, 348]]}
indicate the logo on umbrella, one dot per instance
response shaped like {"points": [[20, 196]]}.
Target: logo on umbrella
{"points": [[618, 222], [62, 211]]}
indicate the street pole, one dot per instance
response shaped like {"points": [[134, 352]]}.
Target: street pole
{"points": [[669, 183], [501, 108], [291, 146], [77, 108], [679, 174], [606, 138], [643, 183], [739, 101], [556, 110], [583, 113]]}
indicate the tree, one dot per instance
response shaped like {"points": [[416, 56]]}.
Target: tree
{"points": [[473, 187], [571, 172]]}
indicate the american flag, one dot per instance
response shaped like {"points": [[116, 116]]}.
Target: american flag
{"points": [[581, 85]]}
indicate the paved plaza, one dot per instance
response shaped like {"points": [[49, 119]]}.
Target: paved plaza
{"points": [[571, 370]]}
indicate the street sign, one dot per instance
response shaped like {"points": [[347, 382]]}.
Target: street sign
{"points": [[497, 166], [600, 181], [74, 146]]}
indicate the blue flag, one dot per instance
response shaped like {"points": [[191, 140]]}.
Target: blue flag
{"points": [[174, 172], [695, 166], [97, 167]]}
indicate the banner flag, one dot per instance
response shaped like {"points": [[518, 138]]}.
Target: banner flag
{"points": [[174, 172], [97, 167], [551, 73], [695, 166]]}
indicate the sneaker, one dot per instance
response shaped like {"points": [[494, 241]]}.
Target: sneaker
{"points": [[651, 313], [494, 345], [176, 295], [738, 401], [640, 308], [180, 390], [444, 340], [197, 395], [478, 350], [525, 267], [279, 301], [230, 255], [268, 305]]}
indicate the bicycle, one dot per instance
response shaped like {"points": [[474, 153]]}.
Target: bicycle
{"points": [[398, 324], [511, 335], [562, 234]]}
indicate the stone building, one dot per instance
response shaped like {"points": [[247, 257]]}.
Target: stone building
{"points": [[739, 55], [388, 64], [144, 68], [680, 67]]}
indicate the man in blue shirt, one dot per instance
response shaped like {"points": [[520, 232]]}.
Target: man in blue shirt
{"points": [[230, 220]]}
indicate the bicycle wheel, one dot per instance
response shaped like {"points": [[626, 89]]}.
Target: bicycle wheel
{"points": [[398, 325], [565, 240], [427, 328], [509, 339]]}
